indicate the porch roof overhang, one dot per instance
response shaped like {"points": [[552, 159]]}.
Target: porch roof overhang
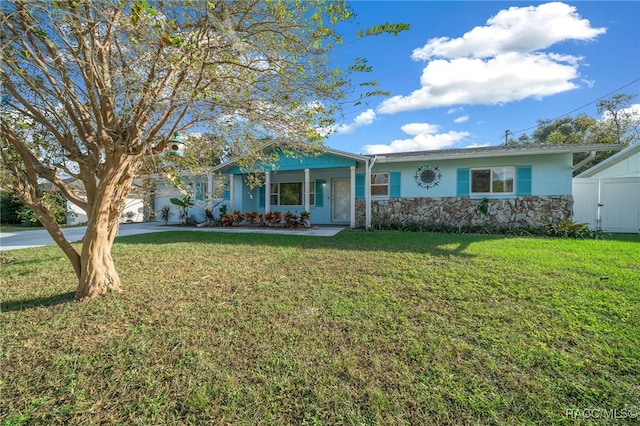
{"points": [[321, 162], [491, 151]]}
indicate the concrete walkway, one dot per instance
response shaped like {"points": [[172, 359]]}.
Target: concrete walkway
{"points": [[40, 237]]}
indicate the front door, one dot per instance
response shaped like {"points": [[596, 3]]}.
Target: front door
{"points": [[341, 200]]}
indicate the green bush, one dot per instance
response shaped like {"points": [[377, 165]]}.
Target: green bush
{"points": [[9, 207], [57, 204], [563, 229], [571, 229]]}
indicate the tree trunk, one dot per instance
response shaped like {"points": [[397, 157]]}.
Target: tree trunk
{"points": [[99, 274]]}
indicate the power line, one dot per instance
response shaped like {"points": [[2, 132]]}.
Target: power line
{"points": [[577, 109]]}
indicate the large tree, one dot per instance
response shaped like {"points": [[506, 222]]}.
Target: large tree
{"points": [[93, 88]]}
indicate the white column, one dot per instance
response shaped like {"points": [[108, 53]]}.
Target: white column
{"points": [[367, 191], [307, 200], [267, 192], [352, 202], [209, 185], [232, 201]]}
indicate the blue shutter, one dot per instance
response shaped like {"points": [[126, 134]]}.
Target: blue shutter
{"points": [[524, 180], [360, 186], [394, 184], [463, 183], [227, 191], [199, 192], [319, 192], [261, 194]]}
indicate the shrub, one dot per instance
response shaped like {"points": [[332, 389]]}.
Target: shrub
{"points": [[57, 204], [252, 217], [9, 207], [571, 229], [166, 214], [290, 220], [275, 218], [208, 215]]}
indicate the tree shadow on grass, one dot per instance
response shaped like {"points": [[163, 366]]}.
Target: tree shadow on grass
{"points": [[436, 244], [36, 302]]}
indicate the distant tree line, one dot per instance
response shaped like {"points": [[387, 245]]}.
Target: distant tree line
{"points": [[618, 124]]}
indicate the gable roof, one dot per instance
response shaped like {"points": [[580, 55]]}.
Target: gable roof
{"points": [[491, 151], [611, 161]]}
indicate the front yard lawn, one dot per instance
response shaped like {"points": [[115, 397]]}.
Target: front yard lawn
{"points": [[361, 328]]}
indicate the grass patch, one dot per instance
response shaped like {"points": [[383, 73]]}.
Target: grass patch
{"points": [[361, 328], [15, 228]]}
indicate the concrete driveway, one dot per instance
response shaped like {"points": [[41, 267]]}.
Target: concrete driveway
{"points": [[40, 237]]}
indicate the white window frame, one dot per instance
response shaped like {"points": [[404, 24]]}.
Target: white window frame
{"points": [[381, 185], [275, 194], [491, 180]]}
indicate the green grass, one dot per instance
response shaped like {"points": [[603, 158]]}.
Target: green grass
{"points": [[15, 228], [361, 328]]}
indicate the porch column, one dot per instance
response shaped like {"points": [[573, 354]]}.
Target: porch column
{"points": [[307, 197], [232, 200], [209, 185], [352, 198], [267, 192], [367, 191]]}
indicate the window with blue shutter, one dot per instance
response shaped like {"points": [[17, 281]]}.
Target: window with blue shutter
{"points": [[319, 192], [360, 186], [261, 194], [462, 188], [524, 180], [394, 184]]}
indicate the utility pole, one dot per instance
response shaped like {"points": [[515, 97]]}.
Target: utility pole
{"points": [[506, 136]]}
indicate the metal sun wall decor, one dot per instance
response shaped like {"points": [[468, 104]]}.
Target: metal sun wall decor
{"points": [[427, 176]]}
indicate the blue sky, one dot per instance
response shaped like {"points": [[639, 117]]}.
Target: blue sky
{"points": [[467, 71]]}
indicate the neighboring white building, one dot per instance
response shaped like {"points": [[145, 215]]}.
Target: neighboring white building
{"points": [[607, 196]]}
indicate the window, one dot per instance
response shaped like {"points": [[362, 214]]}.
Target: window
{"points": [[291, 194], [379, 184], [495, 180]]}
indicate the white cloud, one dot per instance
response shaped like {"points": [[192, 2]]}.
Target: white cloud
{"points": [[363, 119], [505, 78], [500, 62], [462, 119], [425, 137], [517, 29]]}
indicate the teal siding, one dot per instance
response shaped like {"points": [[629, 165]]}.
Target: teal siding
{"points": [[394, 184], [359, 186], [319, 192], [262, 192], [524, 180], [462, 188], [288, 163]]}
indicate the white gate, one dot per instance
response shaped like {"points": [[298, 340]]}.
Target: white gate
{"points": [[612, 205]]}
